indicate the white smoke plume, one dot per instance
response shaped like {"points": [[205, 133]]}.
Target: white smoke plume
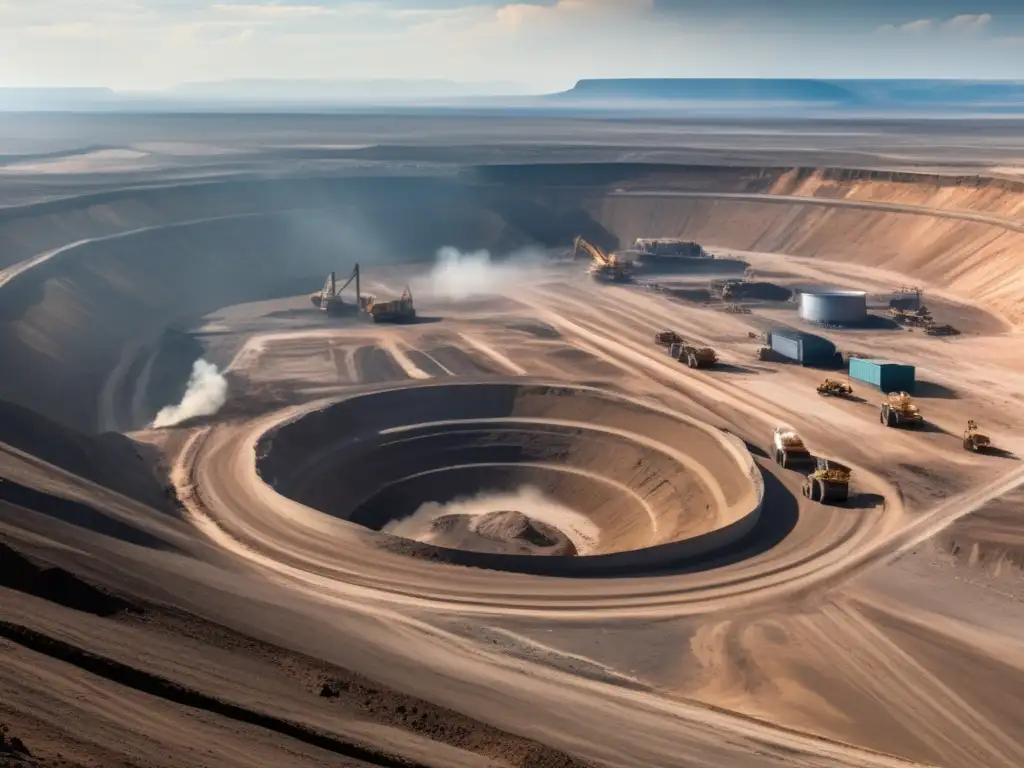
{"points": [[458, 275], [206, 392]]}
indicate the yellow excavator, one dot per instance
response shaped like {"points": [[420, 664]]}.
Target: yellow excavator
{"points": [[606, 267]]}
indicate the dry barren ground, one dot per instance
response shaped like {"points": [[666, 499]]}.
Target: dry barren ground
{"points": [[221, 593]]}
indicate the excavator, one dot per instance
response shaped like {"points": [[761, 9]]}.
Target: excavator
{"points": [[605, 267], [329, 300]]}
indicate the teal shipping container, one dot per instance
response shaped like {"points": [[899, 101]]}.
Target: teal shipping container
{"points": [[888, 377]]}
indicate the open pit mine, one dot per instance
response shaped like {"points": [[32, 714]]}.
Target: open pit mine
{"points": [[623, 485]]}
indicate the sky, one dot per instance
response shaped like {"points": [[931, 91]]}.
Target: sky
{"points": [[540, 46]]}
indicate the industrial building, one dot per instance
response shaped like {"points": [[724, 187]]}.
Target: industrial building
{"points": [[804, 348], [834, 307], [887, 376]]}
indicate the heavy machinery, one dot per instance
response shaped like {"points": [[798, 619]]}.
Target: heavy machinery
{"points": [[329, 300], [898, 410], [788, 448], [765, 355], [912, 318], [829, 483], [833, 388], [399, 310], [974, 440], [669, 246], [695, 357], [606, 267], [667, 338]]}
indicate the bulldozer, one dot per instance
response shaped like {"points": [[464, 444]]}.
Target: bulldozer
{"points": [[898, 410], [667, 338], [329, 300], [695, 357], [833, 388], [975, 441], [788, 448], [829, 483], [605, 267]]}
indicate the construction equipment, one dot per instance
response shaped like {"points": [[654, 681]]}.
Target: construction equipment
{"points": [[329, 300], [974, 440], [695, 357], [789, 450], [765, 354], [669, 246], [829, 483], [898, 410], [606, 267], [920, 317], [833, 388], [395, 311], [667, 338]]}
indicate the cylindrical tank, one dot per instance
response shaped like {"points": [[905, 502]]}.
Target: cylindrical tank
{"points": [[834, 307]]}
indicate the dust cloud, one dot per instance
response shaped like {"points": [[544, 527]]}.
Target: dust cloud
{"points": [[461, 275], [206, 392], [421, 524]]}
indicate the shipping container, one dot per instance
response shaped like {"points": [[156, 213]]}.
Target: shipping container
{"points": [[804, 348], [887, 376]]}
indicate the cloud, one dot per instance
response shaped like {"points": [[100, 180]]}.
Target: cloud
{"points": [[547, 44], [970, 22], [964, 23], [272, 11]]}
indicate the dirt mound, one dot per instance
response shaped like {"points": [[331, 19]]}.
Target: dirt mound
{"points": [[585, 473], [503, 532]]}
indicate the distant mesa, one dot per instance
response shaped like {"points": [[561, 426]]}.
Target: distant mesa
{"points": [[990, 94], [710, 89]]}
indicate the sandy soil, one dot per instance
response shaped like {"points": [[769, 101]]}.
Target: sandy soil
{"points": [[244, 620]]}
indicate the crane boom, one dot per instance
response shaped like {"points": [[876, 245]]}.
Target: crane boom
{"points": [[602, 258], [604, 266]]}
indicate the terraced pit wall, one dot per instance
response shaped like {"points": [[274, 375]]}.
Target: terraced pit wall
{"points": [[182, 251]]}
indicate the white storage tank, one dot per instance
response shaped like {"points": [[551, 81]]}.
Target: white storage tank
{"points": [[834, 307]]}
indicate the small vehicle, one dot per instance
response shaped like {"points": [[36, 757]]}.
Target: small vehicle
{"points": [[695, 357], [833, 388], [975, 441], [898, 410]]}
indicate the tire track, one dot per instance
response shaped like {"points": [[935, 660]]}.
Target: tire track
{"points": [[868, 659]]}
